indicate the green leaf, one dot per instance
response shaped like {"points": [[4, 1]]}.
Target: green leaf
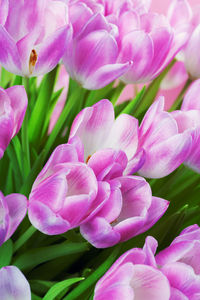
{"points": [[39, 112], [96, 95], [34, 257], [6, 252], [35, 297], [40, 287], [60, 287], [132, 105]]}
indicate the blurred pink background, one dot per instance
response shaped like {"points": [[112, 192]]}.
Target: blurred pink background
{"points": [[160, 6]]}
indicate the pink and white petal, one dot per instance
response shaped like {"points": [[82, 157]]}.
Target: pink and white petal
{"points": [[192, 57], [95, 23], [190, 99], [4, 218], [99, 233], [92, 124], [135, 164], [81, 180], [182, 277], [193, 160], [88, 54], [128, 21], [79, 15], [155, 212], [6, 130], [13, 284], [100, 201], [17, 208], [51, 192], [165, 157], [149, 283], [149, 248], [19, 102], [179, 12], [3, 11], [76, 142], [51, 50], [156, 108], [129, 228], [108, 163], [187, 119], [63, 153], [118, 285], [177, 295], [137, 197], [45, 220], [124, 135], [105, 75], [137, 46], [174, 252], [9, 56], [113, 205]]}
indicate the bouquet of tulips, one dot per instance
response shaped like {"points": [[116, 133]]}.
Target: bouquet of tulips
{"points": [[99, 172]]}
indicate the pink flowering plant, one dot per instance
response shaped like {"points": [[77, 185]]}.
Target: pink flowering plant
{"points": [[88, 175]]}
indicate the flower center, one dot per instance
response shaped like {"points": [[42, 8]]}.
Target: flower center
{"points": [[32, 61]]}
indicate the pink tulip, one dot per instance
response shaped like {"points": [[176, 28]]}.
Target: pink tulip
{"points": [[172, 274], [165, 147], [12, 211], [33, 35], [188, 120], [181, 15], [13, 284], [131, 278], [93, 35], [130, 210], [179, 263], [149, 41], [13, 103], [65, 193]]}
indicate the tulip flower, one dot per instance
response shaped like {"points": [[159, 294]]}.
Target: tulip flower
{"points": [[91, 57], [188, 18], [33, 36], [65, 193], [130, 277], [13, 284], [12, 211], [130, 210], [149, 41], [179, 263], [188, 120], [165, 147], [12, 110]]}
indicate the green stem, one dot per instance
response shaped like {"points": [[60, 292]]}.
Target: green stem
{"points": [[179, 99], [24, 237], [25, 141]]}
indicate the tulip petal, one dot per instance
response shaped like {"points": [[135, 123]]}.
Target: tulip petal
{"points": [[179, 12], [163, 158], [51, 50], [99, 233], [92, 124], [192, 59], [190, 99], [17, 208], [45, 220], [105, 75], [9, 56], [137, 46], [124, 135], [149, 283], [19, 102], [13, 284]]}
